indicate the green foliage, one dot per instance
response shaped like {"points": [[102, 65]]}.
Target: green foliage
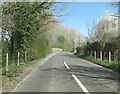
{"points": [[73, 49], [61, 42], [110, 46], [88, 47], [96, 46], [118, 48], [78, 49], [12, 69], [61, 39], [68, 48], [41, 48], [22, 24], [9, 73], [112, 65]]}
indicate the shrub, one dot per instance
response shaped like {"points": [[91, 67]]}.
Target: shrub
{"points": [[110, 46], [96, 46], [73, 49], [78, 49]]}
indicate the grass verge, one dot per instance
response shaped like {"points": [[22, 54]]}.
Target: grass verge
{"points": [[14, 69], [112, 65]]}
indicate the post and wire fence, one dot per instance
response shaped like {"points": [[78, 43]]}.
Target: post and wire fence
{"points": [[18, 60], [103, 56]]}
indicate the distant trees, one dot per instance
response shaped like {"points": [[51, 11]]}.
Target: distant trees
{"points": [[79, 39], [61, 42], [106, 30], [60, 33]]}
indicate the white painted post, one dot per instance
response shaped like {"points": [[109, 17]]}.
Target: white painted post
{"points": [[25, 57], [7, 62], [113, 55], [109, 56], [101, 55], [18, 59], [95, 54], [104, 56], [91, 53], [88, 53]]}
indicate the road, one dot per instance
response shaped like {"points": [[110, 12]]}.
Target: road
{"points": [[65, 72]]}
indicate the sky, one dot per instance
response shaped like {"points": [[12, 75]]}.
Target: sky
{"points": [[84, 13]]}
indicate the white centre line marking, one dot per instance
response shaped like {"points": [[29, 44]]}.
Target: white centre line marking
{"points": [[80, 84], [66, 65]]}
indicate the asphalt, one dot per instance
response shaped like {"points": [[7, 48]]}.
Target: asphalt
{"points": [[53, 76]]}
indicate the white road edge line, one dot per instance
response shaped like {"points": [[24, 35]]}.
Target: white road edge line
{"points": [[66, 65], [80, 84], [31, 73]]}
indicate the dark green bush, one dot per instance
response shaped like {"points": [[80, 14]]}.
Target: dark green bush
{"points": [[110, 46], [73, 49], [78, 49], [96, 46]]}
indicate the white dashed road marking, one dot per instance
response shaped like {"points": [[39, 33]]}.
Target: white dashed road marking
{"points": [[80, 84], [77, 80], [66, 65]]}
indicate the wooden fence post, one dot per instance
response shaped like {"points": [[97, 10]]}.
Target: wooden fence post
{"points": [[95, 54], [109, 56], [25, 57], [7, 62], [18, 59], [101, 55]]}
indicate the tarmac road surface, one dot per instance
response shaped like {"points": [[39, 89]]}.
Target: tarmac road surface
{"points": [[65, 72]]}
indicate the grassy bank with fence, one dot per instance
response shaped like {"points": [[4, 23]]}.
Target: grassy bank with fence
{"points": [[14, 67], [108, 62], [107, 55], [114, 65]]}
